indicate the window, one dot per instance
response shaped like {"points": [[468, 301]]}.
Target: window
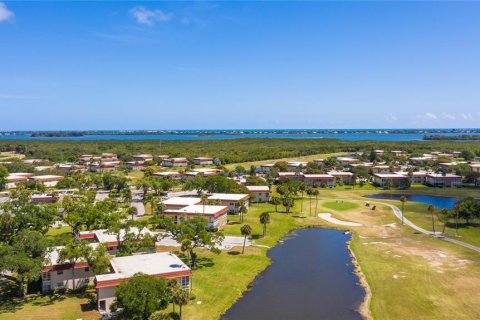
{"points": [[46, 276], [59, 272], [185, 282], [87, 269], [102, 305], [60, 284]]}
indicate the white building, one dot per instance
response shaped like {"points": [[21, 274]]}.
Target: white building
{"points": [[48, 180], [217, 216], [231, 200], [260, 193], [159, 265]]}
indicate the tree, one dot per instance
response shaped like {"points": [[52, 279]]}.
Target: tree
{"points": [[403, 199], [302, 187], [316, 193], [431, 210], [73, 252], [140, 296], [275, 201], [195, 231], [98, 259], [444, 216], [181, 297], [246, 230], [288, 202], [3, 177], [264, 220], [24, 257], [467, 209], [242, 210]]}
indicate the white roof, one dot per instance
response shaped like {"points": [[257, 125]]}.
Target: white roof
{"points": [[105, 236], [340, 173], [317, 175], [182, 201], [198, 209], [166, 173], [441, 175], [389, 175], [258, 188], [228, 196], [47, 177], [151, 264]]}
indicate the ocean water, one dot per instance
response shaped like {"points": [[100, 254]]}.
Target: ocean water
{"points": [[220, 136]]}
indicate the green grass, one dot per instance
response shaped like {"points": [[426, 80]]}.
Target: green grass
{"points": [[50, 307], [59, 236], [340, 205]]}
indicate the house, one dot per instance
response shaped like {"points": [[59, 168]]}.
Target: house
{"points": [[32, 161], [347, 160], [47, 180], [389, 180], [175, 162], [415, 177], [43, 198], [163, 265], [111, 239], [201, 161], [206, 172], [104, 166], [319, 180], [475, 167], [383, 168], [289, 176], [174, 175], [181, 202], [135, 165], [319, 161], [88, 158], [109, 155], [14, 179], [443, 180], [142, 157], [231, 200], [217, 216], [44, 168], [345, 177], [260, 193], [69, 167], [266, 168], [296, 166], [59, 276]]}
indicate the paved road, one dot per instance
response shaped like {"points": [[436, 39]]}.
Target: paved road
{"points": [[398, 214]]}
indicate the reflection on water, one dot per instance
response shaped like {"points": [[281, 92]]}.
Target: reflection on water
{"points": [[311, 277]]}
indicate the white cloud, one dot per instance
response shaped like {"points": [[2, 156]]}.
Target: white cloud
{"points": [[467, 116], [391, 117], [149, 17], [5, 14], [448, 116], [430, 115]]}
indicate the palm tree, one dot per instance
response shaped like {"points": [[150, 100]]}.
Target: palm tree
{"points": [[246, 230], [275, 201], [302, 188], [310, 193], [444, 216], [173, 286], [431, 209], [264, 219], [242, 210], [316, 193], [186, 247], [403, 199], [204, 201], [181, 297]]}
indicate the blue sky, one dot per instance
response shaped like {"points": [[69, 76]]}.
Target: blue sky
{"points": [[194, 65]]}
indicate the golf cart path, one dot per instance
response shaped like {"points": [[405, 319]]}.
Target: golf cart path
{"points": [[328, 217], [398, 214]]}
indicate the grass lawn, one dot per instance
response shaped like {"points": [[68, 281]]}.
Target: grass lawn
{"points": [[59, 236], [135, 175], [340, 205], [410, 275], [46, 307]]}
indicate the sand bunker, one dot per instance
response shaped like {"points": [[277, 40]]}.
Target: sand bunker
{"points": [[328, 217]]}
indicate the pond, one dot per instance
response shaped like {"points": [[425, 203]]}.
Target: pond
{"points": [[440, 202], [311, 277]]}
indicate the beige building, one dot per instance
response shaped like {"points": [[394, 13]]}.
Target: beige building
{"points": [[260, 193]]}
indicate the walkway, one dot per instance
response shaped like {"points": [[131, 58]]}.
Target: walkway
{"points": [[398, 214]]}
